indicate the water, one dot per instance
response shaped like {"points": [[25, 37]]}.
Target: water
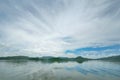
{"points": [[31, 70]]}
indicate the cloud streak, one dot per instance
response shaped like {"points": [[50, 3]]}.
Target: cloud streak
{"points": [[43, 27]]}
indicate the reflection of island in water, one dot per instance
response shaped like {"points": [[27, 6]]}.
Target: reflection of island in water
{"points": [[49, 59], [30, 69]]}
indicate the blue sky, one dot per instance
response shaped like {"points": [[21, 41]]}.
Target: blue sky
{"points": [[71, 28]]}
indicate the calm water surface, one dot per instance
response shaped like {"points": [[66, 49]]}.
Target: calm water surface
{"points": [[30, 70]]}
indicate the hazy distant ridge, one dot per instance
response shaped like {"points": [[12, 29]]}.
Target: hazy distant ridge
{"points": [[58, 59], [111, 58], [45, 59]]}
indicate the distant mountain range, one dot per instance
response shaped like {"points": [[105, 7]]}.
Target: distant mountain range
{"points": [[50, 59], [45, 59], [111, 58]]}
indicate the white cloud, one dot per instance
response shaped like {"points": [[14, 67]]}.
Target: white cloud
{"points": [[50, 28]]}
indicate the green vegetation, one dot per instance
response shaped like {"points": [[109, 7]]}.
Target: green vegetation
{"points": [[44, 59], [50, 59]]}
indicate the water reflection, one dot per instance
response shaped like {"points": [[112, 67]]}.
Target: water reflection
{"points": [[31, 70]]}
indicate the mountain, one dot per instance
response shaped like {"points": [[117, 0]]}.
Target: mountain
{"points": [[14, 58], [111, 58], [45, 59], [50, 59]]}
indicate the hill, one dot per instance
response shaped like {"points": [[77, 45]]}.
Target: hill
{"points": [[111, 58], [45, 59], [50, 59]]}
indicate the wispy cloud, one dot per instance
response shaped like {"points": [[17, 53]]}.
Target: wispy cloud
{"points": [[52, 27]]}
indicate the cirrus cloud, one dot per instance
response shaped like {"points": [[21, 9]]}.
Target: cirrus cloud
{"points": [[49, 28]]}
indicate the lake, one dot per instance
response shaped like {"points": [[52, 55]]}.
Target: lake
{"points": [[36, 70]]}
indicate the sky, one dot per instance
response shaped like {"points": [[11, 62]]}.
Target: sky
{"points": [[68, 28]]}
